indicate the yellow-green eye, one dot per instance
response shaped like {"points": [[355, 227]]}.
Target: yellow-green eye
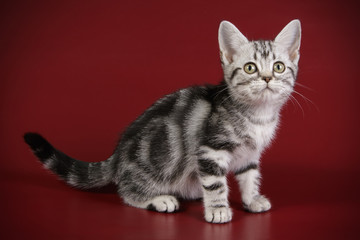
{"points": [[279, 67], [250, 68]]}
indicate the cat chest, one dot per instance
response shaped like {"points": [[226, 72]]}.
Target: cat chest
{"points": [[252, 136], [253, 142], [261, 135]]}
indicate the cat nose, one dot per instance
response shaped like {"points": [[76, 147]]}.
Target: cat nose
{"points": [[267, 79]]}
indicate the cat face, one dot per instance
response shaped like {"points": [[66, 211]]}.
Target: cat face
{"points": [[259, 72]]}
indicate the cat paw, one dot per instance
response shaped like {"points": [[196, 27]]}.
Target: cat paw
{"points": [[259, 204], [218, 214], [166, 204]]}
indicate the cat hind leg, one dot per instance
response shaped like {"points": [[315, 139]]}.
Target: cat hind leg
{"points": [[162, 203]]}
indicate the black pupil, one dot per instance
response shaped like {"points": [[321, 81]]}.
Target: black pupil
{"points": [[250, 67], [278, 67]]}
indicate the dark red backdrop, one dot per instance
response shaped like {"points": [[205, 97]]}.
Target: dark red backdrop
{"points": [[79, 71]]}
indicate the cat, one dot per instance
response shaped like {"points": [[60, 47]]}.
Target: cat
{"points": [[185, 144]]}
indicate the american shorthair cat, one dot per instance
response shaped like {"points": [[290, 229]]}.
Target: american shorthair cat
{"points": [[185, 144]]}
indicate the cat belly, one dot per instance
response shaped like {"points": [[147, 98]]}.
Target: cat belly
{"points": [[189, 187], [242, 157]]}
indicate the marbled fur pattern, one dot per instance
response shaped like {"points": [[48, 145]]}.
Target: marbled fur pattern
{"points": [[186, 143]]}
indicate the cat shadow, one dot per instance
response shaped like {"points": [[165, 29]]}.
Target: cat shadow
{"points": [[287, 184], [108, 189], [42, 180]]}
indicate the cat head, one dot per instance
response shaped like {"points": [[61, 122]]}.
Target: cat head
{"points": [[259, 72]]}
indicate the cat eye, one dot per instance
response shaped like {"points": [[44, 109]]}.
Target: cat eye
{"points": [[250, 68], [279, 67]]}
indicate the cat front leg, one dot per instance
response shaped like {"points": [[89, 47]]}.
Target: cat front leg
{"points": [[248, 178], [212, 169]]}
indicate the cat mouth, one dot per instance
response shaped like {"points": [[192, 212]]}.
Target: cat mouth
{"points": [[267, 93], [267, 89]]}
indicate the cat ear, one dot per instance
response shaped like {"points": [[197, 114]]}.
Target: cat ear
{"points": [[230, 39], [290, 38]]}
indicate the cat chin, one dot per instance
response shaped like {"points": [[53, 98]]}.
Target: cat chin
{"points": [[260, 98], [268, 96]]}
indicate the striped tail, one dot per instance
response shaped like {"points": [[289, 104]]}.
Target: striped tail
{"points": [[76, 173]]}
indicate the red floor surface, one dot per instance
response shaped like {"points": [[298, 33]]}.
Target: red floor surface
{"points": [[79, 71]]}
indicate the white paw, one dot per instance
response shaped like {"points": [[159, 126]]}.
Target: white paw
{"points": [[218, 214], [164, 203], [259, 204]]}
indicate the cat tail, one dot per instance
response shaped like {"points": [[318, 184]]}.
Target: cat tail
{"points": [[76, 173]]}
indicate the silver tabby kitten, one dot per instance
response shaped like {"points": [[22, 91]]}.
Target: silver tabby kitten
{"points": [[186, 143]]}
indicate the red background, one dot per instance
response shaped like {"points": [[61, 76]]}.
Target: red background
{"points": [[79, 72]]}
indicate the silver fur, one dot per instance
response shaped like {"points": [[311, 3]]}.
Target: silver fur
{"points": [[184, 145]]}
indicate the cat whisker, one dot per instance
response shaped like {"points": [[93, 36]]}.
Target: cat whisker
{"points": [[307, 100], [225, 100], [297, 102], [220, 91], [211, 125], [292, 101], [303, 86]]}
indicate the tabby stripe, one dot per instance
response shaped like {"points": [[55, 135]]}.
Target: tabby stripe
{"points": [[81, 169], [220, 144], [292, 72], [267, 53], [287, 82], [214, 186], [214, 201], [209, 167], [95, 172], [253, 166], [61, 165], [176, 151], [219, 206], [255, 46], [234, 73], [263, 45], [250, 142], [243, 83]]}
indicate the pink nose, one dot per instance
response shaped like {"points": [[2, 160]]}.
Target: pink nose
{"points": [[266, 79]]}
